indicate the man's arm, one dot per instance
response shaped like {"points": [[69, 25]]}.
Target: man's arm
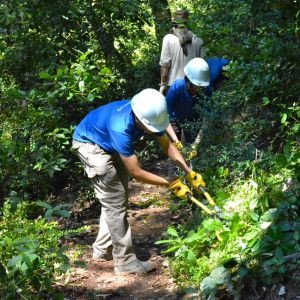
{"points": [[132, 165], [163, 87], [172, 152], [172, 134], [164, 75]]}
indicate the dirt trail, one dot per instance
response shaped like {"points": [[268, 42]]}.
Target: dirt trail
{"points": [[149, 223]]}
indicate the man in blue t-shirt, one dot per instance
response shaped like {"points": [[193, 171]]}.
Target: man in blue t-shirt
{"points": [[103, 141], [184, 95]]}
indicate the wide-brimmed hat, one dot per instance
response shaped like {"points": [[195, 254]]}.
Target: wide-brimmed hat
{"points": [[183, 15]]}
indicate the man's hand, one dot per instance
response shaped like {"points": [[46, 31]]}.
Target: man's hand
{"points": [[163, 89], [178, 144], [180, 189], [195, 180]]}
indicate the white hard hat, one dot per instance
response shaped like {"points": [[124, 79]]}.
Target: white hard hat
{"points": [[197, 71], [150, 107]]}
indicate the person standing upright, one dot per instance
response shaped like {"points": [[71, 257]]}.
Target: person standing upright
{"points": [[178, 48]]}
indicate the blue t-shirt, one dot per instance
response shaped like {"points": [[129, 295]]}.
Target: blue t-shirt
{"points": [[112, 127], [181, 105], [215, 73]]}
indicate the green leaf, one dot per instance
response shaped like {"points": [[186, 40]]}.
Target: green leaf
{"points": [[44, 75], [14, 261], [27, 260], [221, 194], [163, 242], [225, 235], [288, 249], [254, 216], [253, 203], [234, 223], [219, 172], [212, 225], [192, 238], [243, 270], [60, 71], [278, 233], [48, 214], [8, 19], [269, 215], [267, 244], [83, 57], [283, 119], [296, 235], [36, 283], [172, 231], [65, 267], [278, 253], [47, 283], [266, 100], [63, 213], [219, 272], [172, 249], [22, 249], [90, 98], [61, 136], [272, 234], [35, 263], [191, 291], [209, 173], [281, 160], [60, 251], [191, 256], [57, 297], [22, 93], [44, 204], [285, 225], [105, 71], [80, 264], [287, 237], [81, 85]]}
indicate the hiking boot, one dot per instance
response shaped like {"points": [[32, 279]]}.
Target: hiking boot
{"points": [[102, 256], [135, 266]]}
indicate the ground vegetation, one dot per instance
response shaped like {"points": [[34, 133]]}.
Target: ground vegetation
{"points": [[61, 59]]}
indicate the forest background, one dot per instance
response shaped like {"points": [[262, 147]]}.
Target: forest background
{"points": [[61, 59]]}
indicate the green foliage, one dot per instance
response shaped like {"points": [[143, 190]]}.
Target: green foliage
{"points": [[35, 139], [29, 253]]}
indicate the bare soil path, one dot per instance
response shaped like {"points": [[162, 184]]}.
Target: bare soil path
{"points": [[149, 218]]}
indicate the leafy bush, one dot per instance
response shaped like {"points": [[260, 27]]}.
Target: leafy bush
{"points": [[29, 253]]}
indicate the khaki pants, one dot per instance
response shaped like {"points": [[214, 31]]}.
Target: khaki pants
{"points": [[110, 179]]}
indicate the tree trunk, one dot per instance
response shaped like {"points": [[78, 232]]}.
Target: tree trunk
{"points": [[106, 41], [162, 16]]}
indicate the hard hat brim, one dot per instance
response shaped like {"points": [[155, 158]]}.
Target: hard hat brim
{"points": [[158, 128], [199, 83]]}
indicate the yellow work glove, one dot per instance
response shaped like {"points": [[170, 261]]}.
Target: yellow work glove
{"points": [[195, 180], [192, 153], [178, 145], [179, 189]]}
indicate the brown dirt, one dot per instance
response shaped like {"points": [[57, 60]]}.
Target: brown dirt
{"points": [[148, 225]]}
